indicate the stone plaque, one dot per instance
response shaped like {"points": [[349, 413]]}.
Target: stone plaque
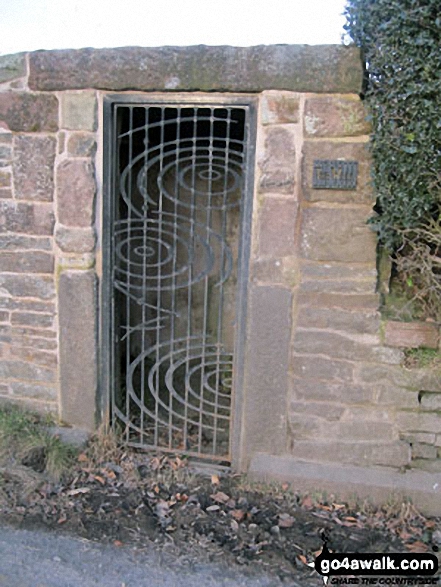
{"points": [[329, 174]]}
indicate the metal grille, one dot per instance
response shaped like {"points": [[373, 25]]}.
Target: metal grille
{"points": [[178, 177]]}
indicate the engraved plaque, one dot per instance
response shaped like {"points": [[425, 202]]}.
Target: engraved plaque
{"points": [[332, 174]]}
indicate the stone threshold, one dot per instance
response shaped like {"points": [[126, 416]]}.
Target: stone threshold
{"points": [[377, 484]]}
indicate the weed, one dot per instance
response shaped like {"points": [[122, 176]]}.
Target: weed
{"points": [[422, 358]]}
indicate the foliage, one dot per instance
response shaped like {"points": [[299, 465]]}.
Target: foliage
{"points": [[400, 42], [24, 436]]}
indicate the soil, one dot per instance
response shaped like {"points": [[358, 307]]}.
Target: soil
{"points": [[136, 498]]}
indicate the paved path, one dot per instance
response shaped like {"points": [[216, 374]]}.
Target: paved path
{"points": [[42, 559]]}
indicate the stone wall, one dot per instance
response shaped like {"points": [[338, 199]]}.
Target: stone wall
{"points": [[323, 378]]}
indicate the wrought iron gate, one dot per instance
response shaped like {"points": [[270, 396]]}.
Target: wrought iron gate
{"points": [[177, 244]]}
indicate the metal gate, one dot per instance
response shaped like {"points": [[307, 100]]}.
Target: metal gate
{"points": [[176, 234]]}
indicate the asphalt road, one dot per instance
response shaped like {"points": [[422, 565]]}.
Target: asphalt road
{"points": [[42, 559]]}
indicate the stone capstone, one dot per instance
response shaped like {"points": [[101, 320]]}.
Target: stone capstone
{"points": [[300, 68]]}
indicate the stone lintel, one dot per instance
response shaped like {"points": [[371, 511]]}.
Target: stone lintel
{"points": [[300, 68], [345, 481]]}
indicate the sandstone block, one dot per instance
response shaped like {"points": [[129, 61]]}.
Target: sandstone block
{"points": [[25, 112], [79, 111], [325, 391], [279, 107], [25, 371], [339, 319], [411, 334], [26, 217], [277, 163], [330, 234], [77, 304], [329, 116], [301, 426], [5, 178], [81, 145], [12, 242], [277, 227], [312, 367], [343, 301], [341, 286], [337, 271], [393, 454], [27, 286], [427, 465], [419, 422], [301, 68], [75, 193], [75, 240], [12, 67], [5, 194], [33, 167], [26, 262], [319, 150], [327, 411], [416, 437], [396, 397], [39, 357], [36, 319], [423, 451], [431, 401], [33, 391]]}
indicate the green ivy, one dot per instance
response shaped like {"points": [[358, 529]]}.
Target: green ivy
{"points": [[401, 47]]}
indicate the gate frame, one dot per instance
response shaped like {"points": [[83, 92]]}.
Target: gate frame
{"points": [[106, 368]]}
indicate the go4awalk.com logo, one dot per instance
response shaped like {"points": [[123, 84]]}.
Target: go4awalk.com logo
{"points": [[376, 569]]}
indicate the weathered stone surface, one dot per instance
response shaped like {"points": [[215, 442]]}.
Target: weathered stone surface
{"points": [[81, 145], [419, 422], [279, 107], [12, 67], [22, 111], [343, 301], [337, 319], [313, 150], [312, 367], [5, 155], [423, 451], [277, 163], [282, 270], [388, 395], [329, 116], [323, 342], [75, 240], [27, 371], [27, 262], [33, 405], [5, 194], [423, 437], [325, 410], [430, 401], [267, 363], [411, 334], [331, 234], [43, 333], [33, 391], [77, 303], [33, 342], [277, 223], [393, 454], [39, 357], [13, 242], [340, 286], [75, 193], [301, 68], [427, 465], [324, 391], [27, 286], [338, 271], [32, 319], [5, 178], [33, 167], [26, 305], [79, 111], [29, 218]]}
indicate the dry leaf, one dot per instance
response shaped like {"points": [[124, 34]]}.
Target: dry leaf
{"points": [[100, 479], [307, 502], [220, 497], [338, 506], [286, 521], [78, 491], [417, 547], [303, 559], [238, 515], [117, 543], [215, 480], [82, 458], [213, 508], [62, 520], [285, 486]]}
